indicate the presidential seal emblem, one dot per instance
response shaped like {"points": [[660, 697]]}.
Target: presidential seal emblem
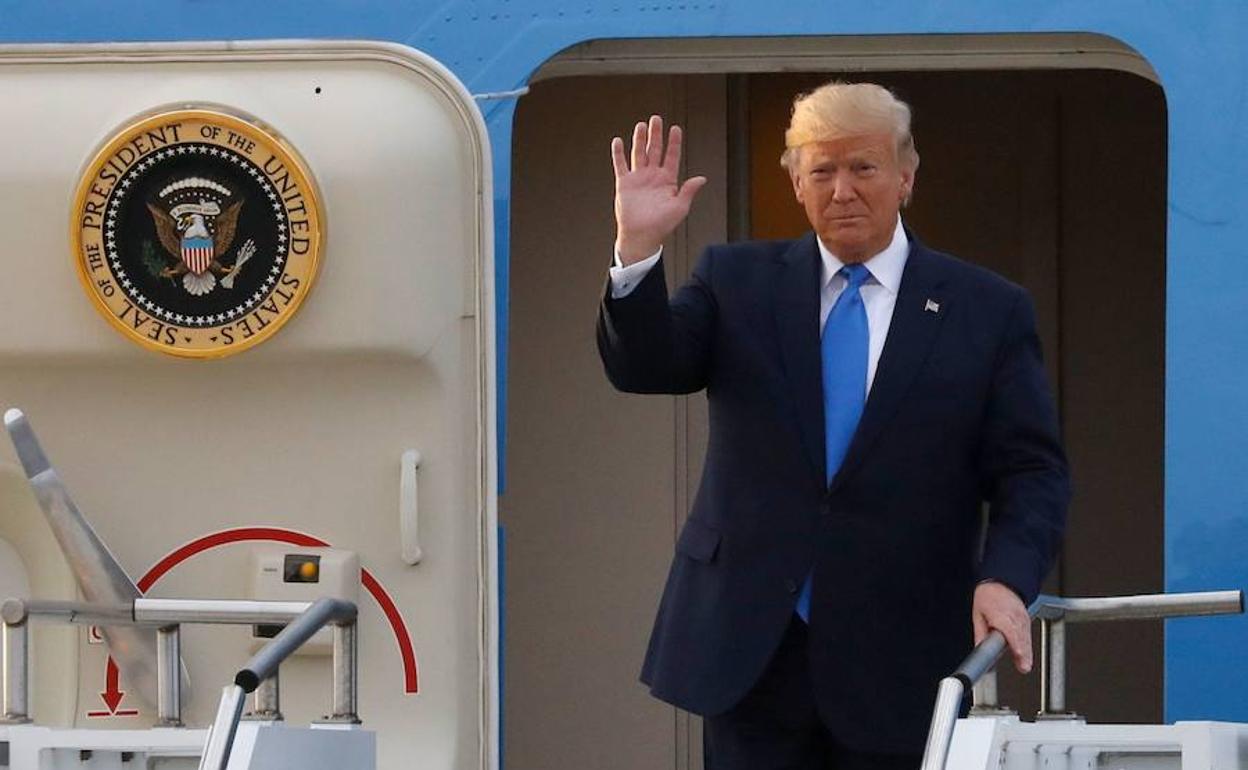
{"points": [[197, 232]]}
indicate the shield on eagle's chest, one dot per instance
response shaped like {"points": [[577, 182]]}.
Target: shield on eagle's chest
{"points": [[197, 254]]}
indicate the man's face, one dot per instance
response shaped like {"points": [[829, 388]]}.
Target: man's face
{"points": [[852, 189]]}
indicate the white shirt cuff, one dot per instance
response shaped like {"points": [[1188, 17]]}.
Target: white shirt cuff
{"points": [[624, 278]]}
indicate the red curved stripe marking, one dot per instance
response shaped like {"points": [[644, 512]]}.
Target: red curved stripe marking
{"points": [[400, 628], [225, 537], [291, 537]]}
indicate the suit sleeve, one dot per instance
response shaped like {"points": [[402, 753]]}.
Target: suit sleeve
{"points": [[650, 344], [1023, 465]]}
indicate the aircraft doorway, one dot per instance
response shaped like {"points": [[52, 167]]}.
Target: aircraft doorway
{"points": [[1054, 178]]}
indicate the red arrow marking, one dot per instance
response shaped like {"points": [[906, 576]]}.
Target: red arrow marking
{"points": [[112, 694], [271, 534]]}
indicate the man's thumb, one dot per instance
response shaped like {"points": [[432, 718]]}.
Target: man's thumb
{"points": [[690, 188]]}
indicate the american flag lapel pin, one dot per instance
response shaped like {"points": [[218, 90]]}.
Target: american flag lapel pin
{"points": [[932, 306]]}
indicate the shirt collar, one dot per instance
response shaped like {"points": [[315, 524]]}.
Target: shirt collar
{"points": [[885, 267]]}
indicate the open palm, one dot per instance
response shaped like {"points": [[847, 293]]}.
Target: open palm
{"points": [[649, 202]]}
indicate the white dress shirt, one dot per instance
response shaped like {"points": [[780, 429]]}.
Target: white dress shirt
{"points": [[879, 292]]}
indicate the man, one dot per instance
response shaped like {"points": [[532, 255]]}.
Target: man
{"points": [[867, 395]]}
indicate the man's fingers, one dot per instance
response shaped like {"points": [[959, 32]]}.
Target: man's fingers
{"points": [[618, 159], [1022, 653], [997, 607], [639, 145], [654, 146], [671, 158], [648, 148], [1018, 636], [981, 627]]}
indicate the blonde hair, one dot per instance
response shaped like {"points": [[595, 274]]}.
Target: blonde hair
{"points": [[840, 109]]}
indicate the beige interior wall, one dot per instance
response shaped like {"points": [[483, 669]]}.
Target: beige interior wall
{"points": [[1113, 300], [1056, 180], [597, 482]]}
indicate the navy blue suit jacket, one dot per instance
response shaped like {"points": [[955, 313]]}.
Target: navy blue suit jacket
{"points": [[959, 414]]}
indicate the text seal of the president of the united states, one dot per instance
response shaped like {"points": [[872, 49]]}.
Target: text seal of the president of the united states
{"points": [[197, 232]]}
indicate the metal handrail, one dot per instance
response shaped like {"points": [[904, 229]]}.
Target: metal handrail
{"points": [[155, 613], [1139, 607], [951, 691], [261, 666], [1054, 612], [166, 616]]}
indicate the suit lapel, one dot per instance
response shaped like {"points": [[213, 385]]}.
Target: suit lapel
{"points": [[921, 308], [796, 306]]}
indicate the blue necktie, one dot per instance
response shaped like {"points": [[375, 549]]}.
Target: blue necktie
{"points": [[844, 353]]}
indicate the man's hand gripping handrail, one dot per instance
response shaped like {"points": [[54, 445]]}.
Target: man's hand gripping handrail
{"points": [[1057, 610]]}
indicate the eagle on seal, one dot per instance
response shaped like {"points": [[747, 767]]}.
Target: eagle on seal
{"points": [[197, 236]]}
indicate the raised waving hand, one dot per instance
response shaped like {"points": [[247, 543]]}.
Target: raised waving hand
{"points": [[649, 202]]}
